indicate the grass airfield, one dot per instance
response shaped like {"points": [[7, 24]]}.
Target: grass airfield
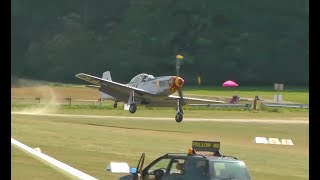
{"points": [[90, 144]]}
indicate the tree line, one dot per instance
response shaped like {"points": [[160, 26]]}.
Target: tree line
{"points": [[252, 42]]}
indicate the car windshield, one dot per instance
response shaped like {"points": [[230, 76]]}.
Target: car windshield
{"points": [[228, 170]]}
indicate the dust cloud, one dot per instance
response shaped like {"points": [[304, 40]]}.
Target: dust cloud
{"points": [[47, 101]]}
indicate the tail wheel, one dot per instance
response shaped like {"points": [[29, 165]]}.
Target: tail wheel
{"points": [[132, 108], [115, 105], [179, 117]]}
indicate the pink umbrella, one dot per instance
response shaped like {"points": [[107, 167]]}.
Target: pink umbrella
{"points": [[229, 83]]}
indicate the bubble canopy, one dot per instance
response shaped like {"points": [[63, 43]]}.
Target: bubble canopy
{"points": [[141, 78]]}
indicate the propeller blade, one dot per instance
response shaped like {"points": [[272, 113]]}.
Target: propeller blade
{"points": [[178, 65]]}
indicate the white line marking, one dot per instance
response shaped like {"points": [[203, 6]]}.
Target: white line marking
{"points": [[271, 121], [51, 161]]}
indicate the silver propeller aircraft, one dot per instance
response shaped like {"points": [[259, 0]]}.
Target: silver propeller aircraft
{"points": [[145, 89]]}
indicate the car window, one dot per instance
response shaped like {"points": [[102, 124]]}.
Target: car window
{"points": [[198, 168], [228, 170], [163, 163], [177, 166], [156, 170]]}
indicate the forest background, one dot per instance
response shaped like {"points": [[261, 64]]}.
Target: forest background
{"points": [[252, 42]]}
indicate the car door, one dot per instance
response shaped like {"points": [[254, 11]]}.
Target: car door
{"points": [[176, 169]]}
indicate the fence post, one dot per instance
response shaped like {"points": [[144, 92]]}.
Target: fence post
{"points": [[100, 101], [68, 99], [255, 102], [37, 98]]}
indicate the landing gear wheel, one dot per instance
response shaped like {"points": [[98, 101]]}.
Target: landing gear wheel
{"points": [[179, 117], [115, 105], [132, 108]]}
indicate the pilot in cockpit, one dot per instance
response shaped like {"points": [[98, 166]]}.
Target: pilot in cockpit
{"points": [[144, 78]]}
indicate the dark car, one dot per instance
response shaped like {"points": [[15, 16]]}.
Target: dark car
{"points": [[192, 166]]}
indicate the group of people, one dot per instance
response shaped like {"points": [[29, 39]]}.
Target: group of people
{"points": [[234, 99]]}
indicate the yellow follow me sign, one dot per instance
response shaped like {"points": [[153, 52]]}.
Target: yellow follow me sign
{"points": [[206, 146]]}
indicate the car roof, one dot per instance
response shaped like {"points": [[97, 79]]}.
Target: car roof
{"points": [[222, 158], [209, 157]]}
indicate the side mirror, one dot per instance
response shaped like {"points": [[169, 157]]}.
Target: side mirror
{"points": [[133, 170]]}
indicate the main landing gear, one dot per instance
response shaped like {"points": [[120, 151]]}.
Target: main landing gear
{"points": [[133, 106], [179, 115]]}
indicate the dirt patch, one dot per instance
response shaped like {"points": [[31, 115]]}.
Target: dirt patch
{"points": [[47, 92]]}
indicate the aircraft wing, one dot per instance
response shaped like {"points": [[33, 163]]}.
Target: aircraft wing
{"points": [[92, 86], [191, 100], [117, 90]]}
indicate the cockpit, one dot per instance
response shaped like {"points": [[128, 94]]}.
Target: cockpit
{"points": [[141, 78]]}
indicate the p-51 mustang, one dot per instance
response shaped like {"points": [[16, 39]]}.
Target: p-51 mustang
{"points": [[144, 89]]}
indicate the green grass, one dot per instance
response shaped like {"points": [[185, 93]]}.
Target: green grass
{"points": [[170, 112], [247, 88], [24, 166], [90, 144], [269, 113]]}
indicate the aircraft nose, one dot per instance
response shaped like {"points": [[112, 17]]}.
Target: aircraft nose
{"points": [[179, 82]]}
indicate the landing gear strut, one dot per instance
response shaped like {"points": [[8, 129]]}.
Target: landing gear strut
{"points": [[133, 106], [179, 115]]}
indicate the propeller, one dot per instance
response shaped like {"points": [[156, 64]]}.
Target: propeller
{"points": [[178, 66]]}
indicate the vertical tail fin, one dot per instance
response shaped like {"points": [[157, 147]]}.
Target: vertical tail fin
{"points": [[106, 75]]}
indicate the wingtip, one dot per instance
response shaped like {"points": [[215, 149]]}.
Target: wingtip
{"points": [[79, 74]]}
